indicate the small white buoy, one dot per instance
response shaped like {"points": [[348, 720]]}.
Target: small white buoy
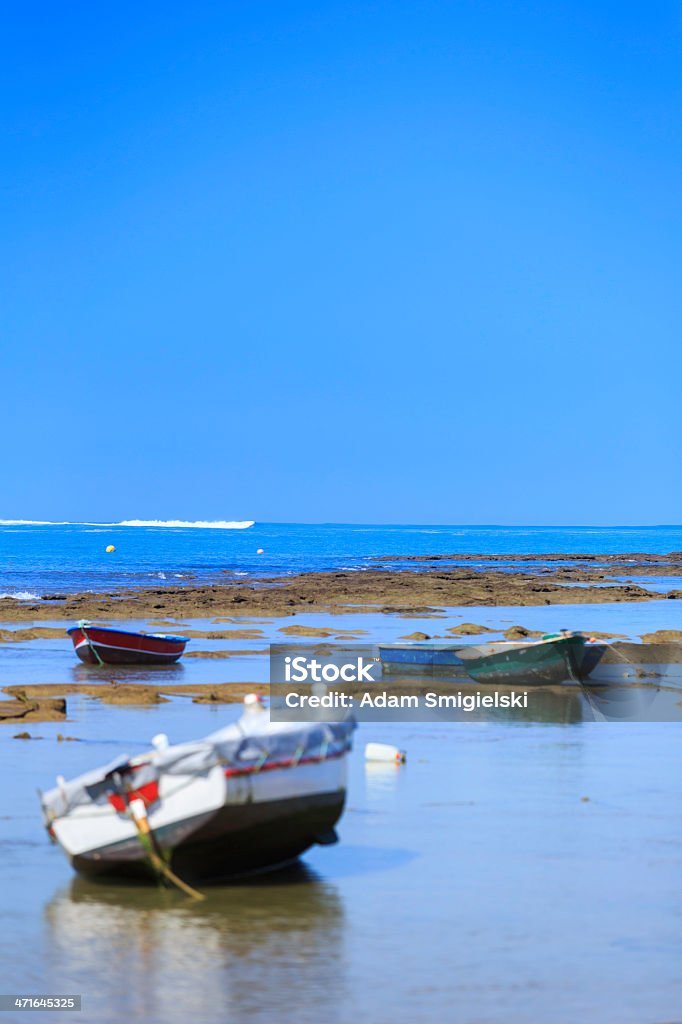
{"points": [[160, 741], [253, 704], [384, 752], [260, 551]]}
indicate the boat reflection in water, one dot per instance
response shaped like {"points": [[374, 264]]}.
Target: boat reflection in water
{"points": [[157, 956], [155, 674], [632, 695]]}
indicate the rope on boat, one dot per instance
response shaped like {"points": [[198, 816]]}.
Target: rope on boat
{"points": [[619, 654], [138, 815], [82, 624]]}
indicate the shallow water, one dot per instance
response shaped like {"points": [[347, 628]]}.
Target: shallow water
{"points": [[475, 884], [53, 661]]}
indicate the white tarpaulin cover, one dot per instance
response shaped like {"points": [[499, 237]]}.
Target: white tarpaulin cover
{"points": [[253, 743]]}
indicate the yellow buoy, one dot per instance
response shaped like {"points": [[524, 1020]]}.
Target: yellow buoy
{"points": [[110, 548]]}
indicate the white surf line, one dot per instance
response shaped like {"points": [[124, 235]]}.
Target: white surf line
{"points": [[200, 524]]}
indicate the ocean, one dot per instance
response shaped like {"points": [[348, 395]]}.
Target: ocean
{"points": [[51, 558]]}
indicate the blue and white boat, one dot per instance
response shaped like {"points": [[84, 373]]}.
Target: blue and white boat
{"points": [[419, 654]]}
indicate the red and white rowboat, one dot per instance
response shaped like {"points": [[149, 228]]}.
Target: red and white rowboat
{"points": [[100, 645]]}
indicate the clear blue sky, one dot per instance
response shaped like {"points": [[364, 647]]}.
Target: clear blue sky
{"points": [[371, 262]]}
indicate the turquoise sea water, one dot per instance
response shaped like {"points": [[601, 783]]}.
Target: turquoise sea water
{"points": [[62, 558]]}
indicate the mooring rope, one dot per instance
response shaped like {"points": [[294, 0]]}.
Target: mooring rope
{"points": [[82, 624], [137, 812]]}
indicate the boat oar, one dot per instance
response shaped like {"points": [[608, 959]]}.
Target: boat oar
{"points": [[138, 813]]}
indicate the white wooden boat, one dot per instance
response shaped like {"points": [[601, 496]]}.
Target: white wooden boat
{"points": [[250, 797]]}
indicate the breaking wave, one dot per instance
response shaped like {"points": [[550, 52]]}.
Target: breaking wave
{"points": [[32, 522], [21, 595], [218, 524]]}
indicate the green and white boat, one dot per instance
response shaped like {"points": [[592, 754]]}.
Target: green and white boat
{"points": [[556, 658]]}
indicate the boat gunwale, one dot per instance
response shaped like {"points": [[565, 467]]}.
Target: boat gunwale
{"points": [[510, 645], [127, 632]]}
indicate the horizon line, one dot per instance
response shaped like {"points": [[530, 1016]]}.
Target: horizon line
{"points": [[248, 523]]}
